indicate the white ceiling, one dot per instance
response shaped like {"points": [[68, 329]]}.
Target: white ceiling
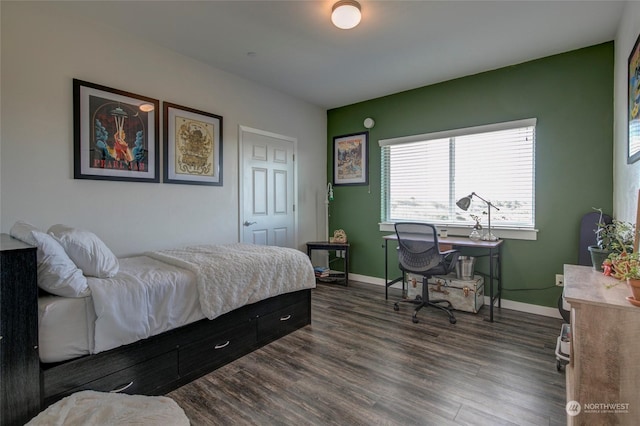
{"points": [[399, 45]]}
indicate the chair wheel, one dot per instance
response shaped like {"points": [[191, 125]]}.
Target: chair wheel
{"points": [[396, 307], [453, 320], [415, 320]]}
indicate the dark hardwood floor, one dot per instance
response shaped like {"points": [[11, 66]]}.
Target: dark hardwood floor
{"points": [[361, 363]]}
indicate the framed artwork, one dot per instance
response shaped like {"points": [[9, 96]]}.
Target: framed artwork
{"points": [[115, 134], [192, 146], [633, 113], [351, 159]]}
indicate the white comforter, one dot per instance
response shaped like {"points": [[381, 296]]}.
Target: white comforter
{"points": [[234, 275], [171, 288], [145, 298]]}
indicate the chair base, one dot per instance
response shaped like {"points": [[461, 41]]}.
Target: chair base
{"points": [[422, 303]]}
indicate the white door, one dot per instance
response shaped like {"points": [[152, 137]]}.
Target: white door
{"points": [[267, 188]]}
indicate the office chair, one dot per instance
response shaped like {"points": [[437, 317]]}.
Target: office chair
{"points": [[419, 253]]}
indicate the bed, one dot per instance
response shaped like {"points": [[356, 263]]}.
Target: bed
{"points": [[163, 318]]}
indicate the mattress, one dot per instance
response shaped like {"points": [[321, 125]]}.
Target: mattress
{"points": [[155, 297], [65, 327]]}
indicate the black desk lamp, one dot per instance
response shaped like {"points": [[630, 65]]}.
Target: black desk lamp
{"points": [[464, 204]]}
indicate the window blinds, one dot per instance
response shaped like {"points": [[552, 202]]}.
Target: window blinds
{"points": [[424, 175]]}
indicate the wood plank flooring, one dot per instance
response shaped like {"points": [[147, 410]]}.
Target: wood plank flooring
{"points": [[362, 363]]}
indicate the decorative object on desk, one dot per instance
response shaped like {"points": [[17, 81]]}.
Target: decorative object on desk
{"points": [[476, 235], [464, 204], [115, 134], [626, 266], [339, 236], [351, 159]]}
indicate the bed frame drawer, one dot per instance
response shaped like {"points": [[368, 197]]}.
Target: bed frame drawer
{"points": [[216, 350], [146, 378], [283, 321]]}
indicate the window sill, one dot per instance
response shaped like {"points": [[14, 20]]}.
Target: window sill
{"points": [[464, 231]]}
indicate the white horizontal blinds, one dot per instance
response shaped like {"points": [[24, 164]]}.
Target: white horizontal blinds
{"points": [[498, 166], [419, 181], [424, 177]]}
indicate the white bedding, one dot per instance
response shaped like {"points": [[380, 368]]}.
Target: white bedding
{"points": [[145, 298], [165, 290], [233, 275], [66, 327]]}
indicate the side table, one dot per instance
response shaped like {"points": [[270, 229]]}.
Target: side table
{"points": [[325, 245]]}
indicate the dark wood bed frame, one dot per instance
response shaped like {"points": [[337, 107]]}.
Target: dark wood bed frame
{"points": [[152, 366]]}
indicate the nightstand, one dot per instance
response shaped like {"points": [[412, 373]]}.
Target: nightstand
{"points": [[337, 247]]}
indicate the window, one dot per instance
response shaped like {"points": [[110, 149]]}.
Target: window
{"points": [[424, 175]]}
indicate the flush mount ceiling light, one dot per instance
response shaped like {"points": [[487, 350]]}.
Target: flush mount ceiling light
{"points": [[346, 14]]}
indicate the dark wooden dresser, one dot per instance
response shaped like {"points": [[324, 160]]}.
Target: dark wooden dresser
{"points": [[19, 360]]}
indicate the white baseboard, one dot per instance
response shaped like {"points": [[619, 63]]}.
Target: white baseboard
{"points": [[507, 304]]}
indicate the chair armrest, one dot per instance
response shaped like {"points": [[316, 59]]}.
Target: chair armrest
{"points": [[451, 258]]}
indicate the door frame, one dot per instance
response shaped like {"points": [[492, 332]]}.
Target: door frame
{"points": [[241, 131]]}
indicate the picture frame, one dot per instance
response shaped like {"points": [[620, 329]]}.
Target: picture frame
{"points": [[116, 134], [192, 146], [351, 159], [633, 106]]}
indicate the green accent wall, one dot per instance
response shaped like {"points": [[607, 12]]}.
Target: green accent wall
{"points": [[570, 94]]}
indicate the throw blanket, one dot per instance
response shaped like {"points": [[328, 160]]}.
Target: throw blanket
{"points": [[111, 409], [233, 275]]}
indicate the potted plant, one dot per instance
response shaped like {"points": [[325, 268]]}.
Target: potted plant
{"points": [[626, 266], [611, 238]]}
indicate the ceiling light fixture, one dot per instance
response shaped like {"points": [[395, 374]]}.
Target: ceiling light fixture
{"points": [[346, 14]]}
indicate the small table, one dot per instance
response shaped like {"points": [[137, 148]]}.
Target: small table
{"points": [[325, 245]]}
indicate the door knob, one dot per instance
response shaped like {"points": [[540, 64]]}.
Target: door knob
{"points": [[247, 223]]}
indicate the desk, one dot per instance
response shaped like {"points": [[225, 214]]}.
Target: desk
{"points": [[325, 245], [493, 249]]}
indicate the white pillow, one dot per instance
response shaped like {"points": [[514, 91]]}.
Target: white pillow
{"points": [[22, 231], [87, 251], [57, 274]]}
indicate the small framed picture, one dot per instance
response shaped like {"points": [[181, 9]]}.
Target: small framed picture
{"points": [[192, 146], [115, 134], [351, 159]]}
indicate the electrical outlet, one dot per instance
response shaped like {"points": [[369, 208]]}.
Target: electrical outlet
{"points": [[560, 280]]}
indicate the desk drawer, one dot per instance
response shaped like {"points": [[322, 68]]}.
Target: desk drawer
{"points": [[283, 321], [142, 378], [216, 350]]}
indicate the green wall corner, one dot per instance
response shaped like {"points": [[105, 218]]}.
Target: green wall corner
{"points": [[570, 94]]}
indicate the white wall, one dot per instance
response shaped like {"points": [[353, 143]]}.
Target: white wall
{"points": [[626, 177], [43, 49]]}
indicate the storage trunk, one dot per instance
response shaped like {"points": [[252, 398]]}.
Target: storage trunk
{"points": [[464, 295]]}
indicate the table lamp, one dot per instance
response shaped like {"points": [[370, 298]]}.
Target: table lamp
{"points": [[464, 204]]}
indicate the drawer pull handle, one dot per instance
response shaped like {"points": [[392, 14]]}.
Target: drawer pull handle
{"points": [[224, 345], [285, 318], [122, 388]]}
